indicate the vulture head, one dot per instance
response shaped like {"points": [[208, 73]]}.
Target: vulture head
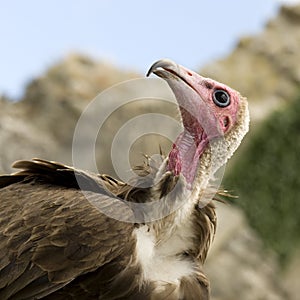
{"points": [[215, 119]]}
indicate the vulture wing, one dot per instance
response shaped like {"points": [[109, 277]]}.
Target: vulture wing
{"points": [[51, 235]]}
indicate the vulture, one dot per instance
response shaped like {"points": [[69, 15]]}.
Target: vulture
{"points": [[55, 242]]}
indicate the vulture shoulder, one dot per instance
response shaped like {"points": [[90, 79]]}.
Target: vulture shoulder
{"points": [[51, 235]]}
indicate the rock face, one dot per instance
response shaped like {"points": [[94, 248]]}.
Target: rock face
{"points": [[264, 67], [20, 138], [64, 91]]}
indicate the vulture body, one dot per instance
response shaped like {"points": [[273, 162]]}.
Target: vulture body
{"points": [[56, 244]]}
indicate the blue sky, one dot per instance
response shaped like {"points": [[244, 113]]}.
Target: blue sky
{"points": [[128, 33]]}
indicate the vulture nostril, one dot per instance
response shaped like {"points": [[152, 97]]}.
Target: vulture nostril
{"points": [[189, 73], [208, 85]]}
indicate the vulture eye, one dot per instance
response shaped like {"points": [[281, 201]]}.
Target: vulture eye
{"points": [[221, 98]]}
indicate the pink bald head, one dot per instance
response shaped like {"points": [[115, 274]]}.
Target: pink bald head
{"points": [[208, 96], [209, 110], [221, 100]]}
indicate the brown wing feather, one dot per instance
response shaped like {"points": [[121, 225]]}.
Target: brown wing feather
{"points": [[50, 233], [55, 173]]}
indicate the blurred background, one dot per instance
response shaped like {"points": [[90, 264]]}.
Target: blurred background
{"points": [[56, 56]]}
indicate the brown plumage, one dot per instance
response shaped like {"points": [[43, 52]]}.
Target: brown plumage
{"points": [[52, 234], [55, 243]]}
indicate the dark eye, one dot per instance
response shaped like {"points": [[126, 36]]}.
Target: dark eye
{"points": [[221, 98]]}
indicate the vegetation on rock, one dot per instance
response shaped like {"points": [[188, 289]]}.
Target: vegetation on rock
{"points": [[266, 178]]}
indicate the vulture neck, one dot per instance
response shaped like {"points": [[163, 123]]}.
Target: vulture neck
{"points": [[185, 155], [189, 162]]}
